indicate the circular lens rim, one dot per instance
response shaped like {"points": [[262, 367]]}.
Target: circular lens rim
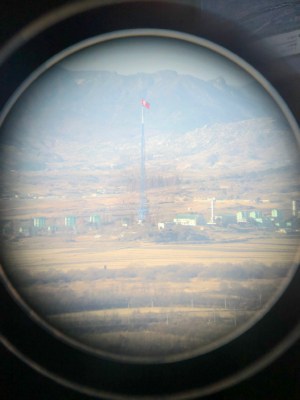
{"points": [[185, 38], [193, 388]]}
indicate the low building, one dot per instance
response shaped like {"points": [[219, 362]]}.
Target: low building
{"points": [[95, 219], [39, 222], [276, 213], [255, 214], [70, 221], [189, 219], [242, 216], [249, 216]]}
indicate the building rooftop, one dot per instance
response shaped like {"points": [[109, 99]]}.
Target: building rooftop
{"points": [[187, 216]]}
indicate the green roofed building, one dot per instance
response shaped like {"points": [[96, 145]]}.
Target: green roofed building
{"points": [[70, 221], [277, 214], [249, 216], [255, 214], [95, 219], [242, 216], [189, 219], [39, 222]]}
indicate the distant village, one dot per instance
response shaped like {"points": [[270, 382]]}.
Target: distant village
{"points": [[272, 219]]}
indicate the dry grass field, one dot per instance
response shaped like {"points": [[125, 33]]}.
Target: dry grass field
{"points": [[150, 300], [82, 251], [152, 332]]}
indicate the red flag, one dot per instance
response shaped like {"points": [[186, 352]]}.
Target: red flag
{"points": [[145, 104]]}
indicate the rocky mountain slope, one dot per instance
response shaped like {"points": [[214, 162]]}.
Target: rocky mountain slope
{"points": [[93, 118]]}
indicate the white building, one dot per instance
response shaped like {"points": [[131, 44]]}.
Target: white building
{"points": [[188, 219]]}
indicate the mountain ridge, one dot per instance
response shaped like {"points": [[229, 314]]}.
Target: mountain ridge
{"points": [[107, 104]]}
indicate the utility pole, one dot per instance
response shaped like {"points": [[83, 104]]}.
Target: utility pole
{"points": [[212, 217]]}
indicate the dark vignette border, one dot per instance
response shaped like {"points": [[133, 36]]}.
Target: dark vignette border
{"points": [[91, 374]]}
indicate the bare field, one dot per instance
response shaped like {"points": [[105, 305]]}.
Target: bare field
{"points": [[144, 299], [159, 331], [87, 251]]}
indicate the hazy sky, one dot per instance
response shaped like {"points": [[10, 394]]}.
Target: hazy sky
{"points": [[150, 54]]}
